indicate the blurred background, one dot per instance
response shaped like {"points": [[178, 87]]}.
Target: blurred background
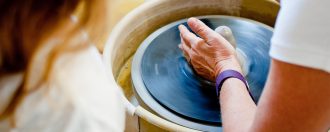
{"points": [[118, 9]]}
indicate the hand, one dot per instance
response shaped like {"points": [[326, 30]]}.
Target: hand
{"points": [[209, 54]]}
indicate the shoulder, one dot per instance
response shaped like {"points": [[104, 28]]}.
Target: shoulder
{"points": [[301, 34]]}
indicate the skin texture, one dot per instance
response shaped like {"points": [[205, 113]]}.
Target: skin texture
{"points": [[209, 54], [295, 98]]}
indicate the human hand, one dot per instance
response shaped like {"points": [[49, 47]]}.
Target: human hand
{"points": [[209, 54]]}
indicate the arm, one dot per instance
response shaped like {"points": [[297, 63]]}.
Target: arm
{"points": [[295, 98], [237, 107], [297, 101]]}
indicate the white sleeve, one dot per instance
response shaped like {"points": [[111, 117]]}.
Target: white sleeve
{"points": [[302, 34], [79, 98]]}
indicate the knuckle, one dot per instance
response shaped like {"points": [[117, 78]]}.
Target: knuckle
{"points": [[213, 40], [185, 48], [192, 38], [198, 44], [200, 30], [194, 54]]}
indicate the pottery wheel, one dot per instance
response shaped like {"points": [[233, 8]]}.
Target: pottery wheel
{"points": [[172, 82]]}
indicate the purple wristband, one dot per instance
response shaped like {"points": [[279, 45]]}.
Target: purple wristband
{"points": [[222, 77]]}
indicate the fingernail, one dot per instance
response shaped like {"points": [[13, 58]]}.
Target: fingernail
{"points": [[195, 19], [181, 26]]}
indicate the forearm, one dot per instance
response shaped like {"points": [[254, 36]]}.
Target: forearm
{"points": [[295, 98], [210, 54], [237, 107]]}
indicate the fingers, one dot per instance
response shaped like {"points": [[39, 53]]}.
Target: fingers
{"points": [[204, 31], [200, 28], [194, 50], [188, 37], [194, 58], [201, 65], [191, 40], [206, 52], [203, 70], [186, 51]]}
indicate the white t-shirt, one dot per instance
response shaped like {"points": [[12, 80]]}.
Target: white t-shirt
{"points": [[79, 98], [302, 34]]}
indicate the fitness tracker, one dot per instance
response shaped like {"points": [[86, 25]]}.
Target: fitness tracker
{"points": [[222, 77]]}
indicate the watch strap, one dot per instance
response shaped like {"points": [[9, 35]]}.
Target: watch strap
{"points": [[223, 76]]}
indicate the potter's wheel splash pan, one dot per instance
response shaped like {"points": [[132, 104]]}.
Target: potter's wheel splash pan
{"points": [[160, 69]]}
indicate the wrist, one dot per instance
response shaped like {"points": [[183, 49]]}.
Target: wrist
{"points": [[228, 64], [232, 75]]}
